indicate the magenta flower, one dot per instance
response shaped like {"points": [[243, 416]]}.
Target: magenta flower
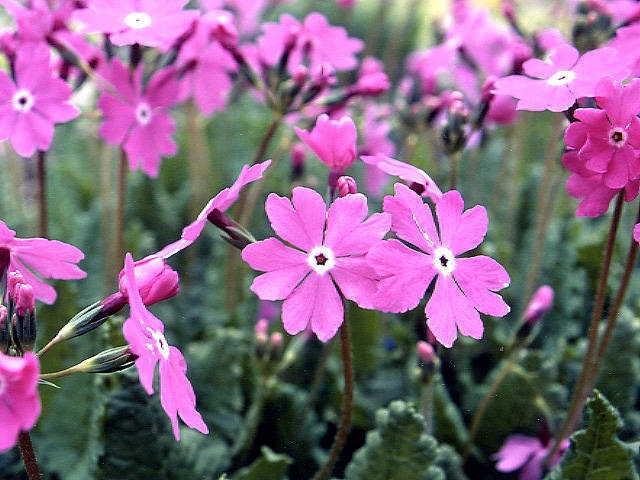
{"points": [[221, 202], [145, 22], [30, 106], [333, 141], [156, 280], [327, 254], [528, 453], [463, 286], [19, 400], [137, 118], [145, 334], [47, 258], [565, 77]]}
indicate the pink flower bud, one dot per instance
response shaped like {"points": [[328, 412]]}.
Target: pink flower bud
{"points": [[541, 301], [262, 326], [346, 186], [425, 352], [13, 280], [155, 279], [276, 340], [25, 298]]}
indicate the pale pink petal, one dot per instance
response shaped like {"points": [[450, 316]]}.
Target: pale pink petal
{"points": [[516, 451], [460, 232], [357, 280], [479, 277], [137, 337]]}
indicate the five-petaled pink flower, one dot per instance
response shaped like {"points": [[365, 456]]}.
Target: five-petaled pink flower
{"points": [[37, 100], [19, 400], [333, 141], [326, 259], [47, 258], [463, 286], [137, 117], [145, 334], [146, 22]]}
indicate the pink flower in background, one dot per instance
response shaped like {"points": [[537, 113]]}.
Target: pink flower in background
{"points": [[30, 106], [333, 141], [463, 286], [146, 22], [418, 179], [327, 253], [47, 258], [137, 117], [247, 12], [19, 400], [145, 334], [528, 453], [562, 79], [220, 202]]}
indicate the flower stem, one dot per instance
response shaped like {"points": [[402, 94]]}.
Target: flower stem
{"points": [[582, 388], [347, 405], [42, 194], [28, 456], [122, 194]]}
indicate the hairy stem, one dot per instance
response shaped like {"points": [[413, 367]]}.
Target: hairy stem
{"points": [[28, 456]]}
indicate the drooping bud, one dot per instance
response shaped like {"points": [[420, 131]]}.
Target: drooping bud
{"points": [[235, 234], [454, 131], [427, 361], [108, 361], [297, 161], [156, 280], [346, 185], [540, 303]]}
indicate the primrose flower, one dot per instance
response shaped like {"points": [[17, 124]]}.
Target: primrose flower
{"points": [[327, 253], [562, 79], [145, 334], [528, 453], [30, 106], [463, 286], [145, 22], [137, 117], [333, 141], [19, 400], [47, 258]]}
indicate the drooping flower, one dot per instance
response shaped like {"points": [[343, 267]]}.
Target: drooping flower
{"points": [[463, 286], [47, 258], [30, 106], [145, 22], [555, 84], [137, 117], [326, 256], [145, 334], [19, 400], [333, 141], [528, 453]]}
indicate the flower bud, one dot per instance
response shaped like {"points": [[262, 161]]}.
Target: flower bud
{"points": [[89, 318], [297, 161], [427, 361], [5, 259], [156, 280], [540, 303], [25, 299], [346, 185], [5, 334], [235, 235], [108, 361], [454, 131]]}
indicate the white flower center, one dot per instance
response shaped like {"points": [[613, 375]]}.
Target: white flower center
{"points": [[137, 20], [161, 346], [22, 101], [143, 113], [561, 78], [321, 259], [617, 137], [444, 261]]}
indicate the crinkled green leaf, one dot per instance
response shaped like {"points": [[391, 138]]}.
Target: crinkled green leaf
{"points": [[271, 466], [595, 452], [398, 448]]}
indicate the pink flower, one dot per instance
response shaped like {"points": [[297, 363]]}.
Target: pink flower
{"points": [[327, 253], [156, 280], [47, 258], [19, 400], [220, 202], [145, 334], [138, 118], [539, 304], [463, 286], [333, 141], [145, 22], [528, 453], [418, 179], [565, 77], [30, 106]]}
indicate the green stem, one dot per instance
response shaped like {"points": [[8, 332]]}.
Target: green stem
{"points": [[42, 195], [120, 208], [579, 395], [28, 456], [347, 406], [62, 373]]}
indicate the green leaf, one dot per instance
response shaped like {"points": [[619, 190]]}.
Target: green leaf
{"points": [[595, 452], [399, 447], [271, 466]]}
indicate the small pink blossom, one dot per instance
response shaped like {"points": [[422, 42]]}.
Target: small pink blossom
{"points": [[19, 400], [528, 453], [145, 334], [463, 286], [30, 106], [47, 258], [146, 22], [156, 280], [333, 141], [137, 118], [326, 256]]}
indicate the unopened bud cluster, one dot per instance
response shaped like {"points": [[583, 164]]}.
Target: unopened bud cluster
{"points": [[18, 318]]}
